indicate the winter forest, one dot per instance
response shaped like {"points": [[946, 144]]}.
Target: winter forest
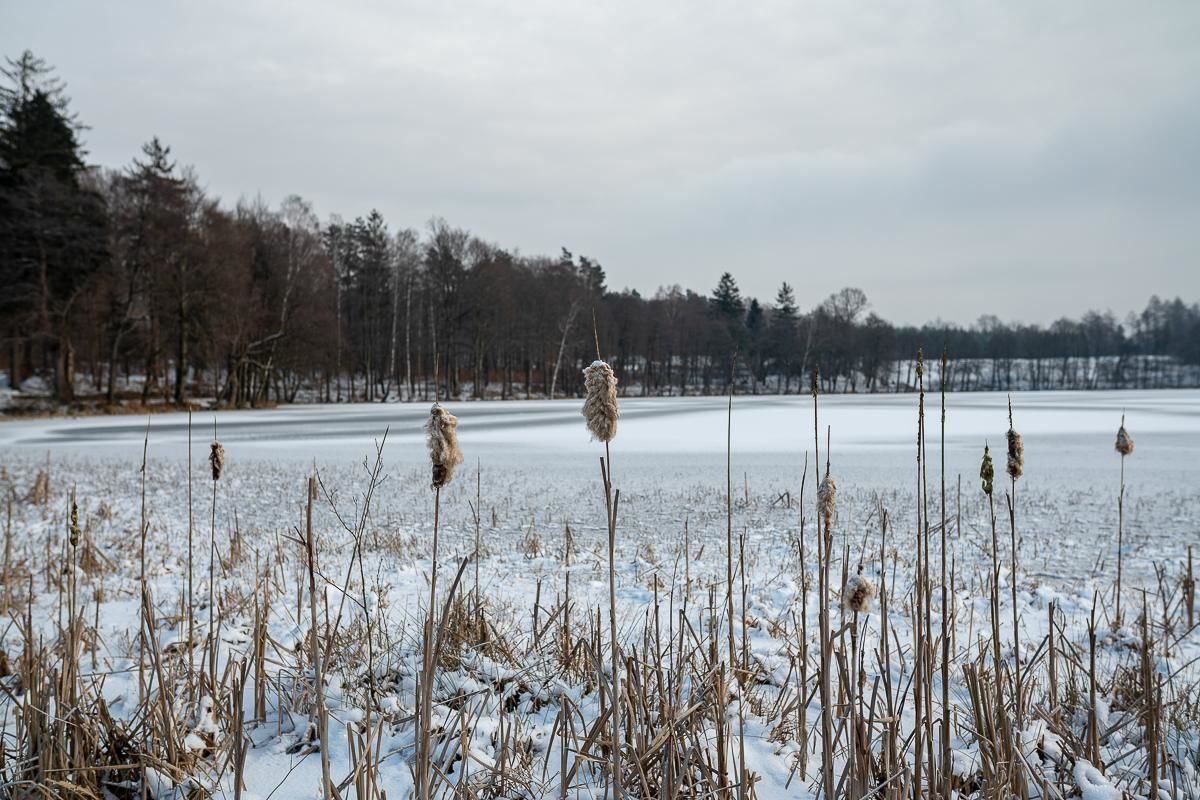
{"points": [[130, 284]]}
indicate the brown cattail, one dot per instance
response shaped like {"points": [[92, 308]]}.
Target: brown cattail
{"points": [[1016, 449], [827, 498], [600, 409], [987, 472], [1016, 454], [1124, 440], [74, 524], [858, 593], [217, 459], [441, 430]]}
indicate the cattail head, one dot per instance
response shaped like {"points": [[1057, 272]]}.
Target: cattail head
{"points": [[216, 460], [74, 524], [987, 471], [441, 433], [1016, 454], [1016, 448], [857, 594], [827, 498], [1124, 440], [600, 409]]}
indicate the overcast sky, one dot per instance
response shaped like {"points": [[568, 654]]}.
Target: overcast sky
{"points": [[1025, 158]]}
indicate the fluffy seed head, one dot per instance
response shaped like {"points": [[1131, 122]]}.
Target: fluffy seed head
{"points": [[987, 471], [1016, 454], [216, 460], [857, 594], [600, 409], [1124, 440], [1016, 448], [827, 498], [441, 434]]}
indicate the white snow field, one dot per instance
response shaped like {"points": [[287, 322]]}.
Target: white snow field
{"points": [[502, 698]]}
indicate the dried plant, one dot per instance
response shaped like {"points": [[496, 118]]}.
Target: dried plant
{"points": [[1124, 444], [1016, 449], [858, 593], [987, 471], [74, 524], [441, 431], [216, 459], [600, 409], [827, 498]]}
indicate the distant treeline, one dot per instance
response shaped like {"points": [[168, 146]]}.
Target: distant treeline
{"points": [[133, 283]]}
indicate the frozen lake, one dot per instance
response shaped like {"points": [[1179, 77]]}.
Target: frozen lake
{"points": [[1068, 437]]}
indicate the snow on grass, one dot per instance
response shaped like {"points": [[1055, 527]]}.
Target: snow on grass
{"points": [[538, 478]]}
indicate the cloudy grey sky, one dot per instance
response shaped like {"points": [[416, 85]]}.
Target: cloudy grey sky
{"points": [[1023, 158]]}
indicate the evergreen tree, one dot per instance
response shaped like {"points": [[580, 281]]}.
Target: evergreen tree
{"points": [[756, 341], [52, 228], [783, 334], [727, 299], [729, 332]]}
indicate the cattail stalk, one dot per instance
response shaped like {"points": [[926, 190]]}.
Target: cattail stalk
{"points": [[216, 460], [919, 683], [191, 602], [1015, 469], [600, 413], [1124, 446], [826, 507], [310, 551], [441, 432], [142, 571], [947, 766]]}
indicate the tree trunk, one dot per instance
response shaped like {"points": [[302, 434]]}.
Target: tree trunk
{"points": [[408, 364], [562, 345], [64, 377], [181, 353]]}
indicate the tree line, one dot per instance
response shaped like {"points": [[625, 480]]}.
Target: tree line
{"points": [[134, 284]]}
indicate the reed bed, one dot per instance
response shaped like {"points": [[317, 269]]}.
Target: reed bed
{"points": [[641, 643]]}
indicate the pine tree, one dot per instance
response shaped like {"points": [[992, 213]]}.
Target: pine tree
{"points": [[52, 228], [756, 341], [729, 332], [727, 299], [782, 334]]}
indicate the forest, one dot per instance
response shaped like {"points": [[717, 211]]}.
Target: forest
{"points": [[131, 284]]}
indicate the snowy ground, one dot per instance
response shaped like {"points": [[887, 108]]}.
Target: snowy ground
{"points": [[539, 473]]}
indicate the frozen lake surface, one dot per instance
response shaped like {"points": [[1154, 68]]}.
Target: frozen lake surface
{"points": [[669, 459], [682, 441]]}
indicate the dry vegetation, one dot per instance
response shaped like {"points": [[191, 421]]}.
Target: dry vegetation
{"points": [[897, 667]]}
